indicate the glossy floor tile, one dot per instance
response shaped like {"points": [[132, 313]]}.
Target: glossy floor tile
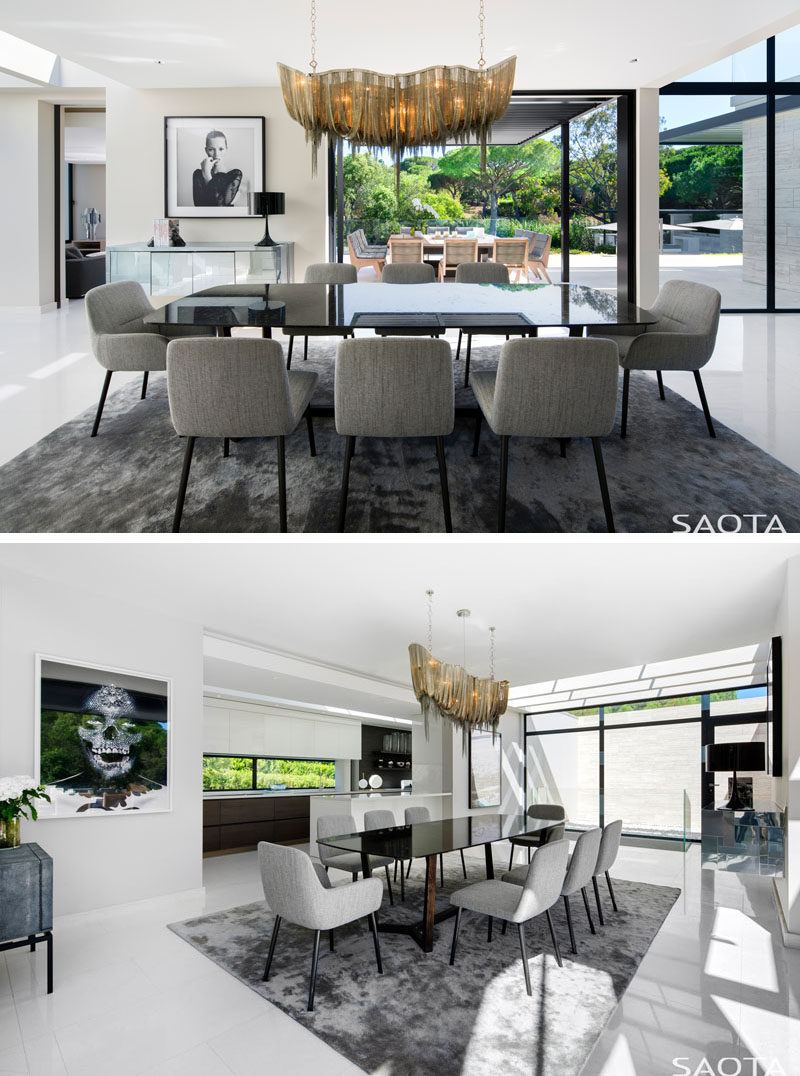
{"points": [[131, 997]]}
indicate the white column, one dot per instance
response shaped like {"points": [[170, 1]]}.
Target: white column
{"points": [[788, 787], [647, 196]]}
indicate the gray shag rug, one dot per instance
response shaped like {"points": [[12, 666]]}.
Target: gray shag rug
{"points": [[126, 479], [423, 1016]]}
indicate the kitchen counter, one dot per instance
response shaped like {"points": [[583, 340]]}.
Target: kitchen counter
{"points": [[328, 792]]}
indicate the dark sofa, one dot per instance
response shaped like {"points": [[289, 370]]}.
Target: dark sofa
{"points": [[82, 272]]}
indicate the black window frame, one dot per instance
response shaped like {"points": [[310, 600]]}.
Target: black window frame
{"points": [[255, 759], [708, 724]]}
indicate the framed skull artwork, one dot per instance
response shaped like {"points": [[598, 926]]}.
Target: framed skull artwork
{"points": [[102, 739]]}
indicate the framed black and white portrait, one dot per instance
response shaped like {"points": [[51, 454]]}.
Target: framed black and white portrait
{"points": [[102, 739], [212, 164]]}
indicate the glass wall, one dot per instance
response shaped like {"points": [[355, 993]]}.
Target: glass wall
{"points": [[636, 760], [228, 773]]}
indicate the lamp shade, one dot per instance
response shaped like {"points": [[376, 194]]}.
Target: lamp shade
{"points": [[737, 757], [267, 203]]}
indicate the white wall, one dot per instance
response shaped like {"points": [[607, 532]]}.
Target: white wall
{"points": [[110, 859], [251, 728], [647, 196], [135, 168]]}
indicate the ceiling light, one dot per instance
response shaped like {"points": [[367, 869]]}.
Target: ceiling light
{"points": [[432, 107], [450, 692]]}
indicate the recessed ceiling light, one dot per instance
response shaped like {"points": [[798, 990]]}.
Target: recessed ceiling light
{"points": [[159, 61], [635, 60]]}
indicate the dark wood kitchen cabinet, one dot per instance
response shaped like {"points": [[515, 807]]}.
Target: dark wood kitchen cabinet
{"points": [[237, 824]]}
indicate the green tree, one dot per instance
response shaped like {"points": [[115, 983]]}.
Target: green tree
{"points": [[593, 163], [369, 188], [702, 177]]}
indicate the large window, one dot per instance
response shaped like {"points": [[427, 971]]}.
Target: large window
{"points": [[641, 761], [229, 773], [729, 188]]}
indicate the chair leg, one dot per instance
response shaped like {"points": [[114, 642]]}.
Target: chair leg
{"points": [[314, 961], [501, 509], [455, 937], [441, 870], [330, 940], [389, 884], [699, 382], [555, 939], [597, 901], [144, 384], [626, 384], [503, 928], [477, 438], [310, 426], [395, 870], [511, 857], [660, 380], [611, 892], [524, 952], [562, 444], [569, 924], [348, 455], [458, 346], [588, 909], [489, 930], [373, 926], [226, 447], [276, 927], [409, 867], [289, 355], [402, 882], [354, 876], [282, 481], [101, 405], [305, 349], [187, 463], [463, 864], [601, 476], [448, 522], [466, 364]]}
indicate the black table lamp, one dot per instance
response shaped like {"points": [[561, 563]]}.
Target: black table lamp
{"points": [[262, 204], [721, 757]]}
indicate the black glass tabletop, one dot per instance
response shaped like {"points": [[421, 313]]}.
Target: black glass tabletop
{"points": [[516, 308], [430, 838]]}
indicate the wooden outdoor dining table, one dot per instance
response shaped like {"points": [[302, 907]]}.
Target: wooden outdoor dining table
{"points": [[428, 840]]}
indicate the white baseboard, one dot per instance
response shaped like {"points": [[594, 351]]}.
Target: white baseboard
{"points": [[44, 308], [187, 896], [790, 939]]}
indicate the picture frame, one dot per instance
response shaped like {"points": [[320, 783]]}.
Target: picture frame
{"points": [[485, 769], [212, 164], [103, 739]]}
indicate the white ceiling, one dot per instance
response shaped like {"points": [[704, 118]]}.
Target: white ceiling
{"points": [[582, 46], [350, 609]]}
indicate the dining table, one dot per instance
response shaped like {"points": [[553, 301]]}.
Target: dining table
{"points": [[428, 840]]}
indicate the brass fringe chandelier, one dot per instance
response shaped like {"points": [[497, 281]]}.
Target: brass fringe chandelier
{"points": [[434, 107], [450, 692]]}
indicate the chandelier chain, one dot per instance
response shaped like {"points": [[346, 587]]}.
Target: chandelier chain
{"points": [[313, 64], [482, 34], [429, 594], [491, 653]]}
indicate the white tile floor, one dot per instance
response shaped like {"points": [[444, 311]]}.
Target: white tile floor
{"points": [[48, 376], [130, 996]]}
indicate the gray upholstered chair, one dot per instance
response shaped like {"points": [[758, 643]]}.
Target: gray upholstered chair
{"points": [[120, 338], [478, 273], [384, 819], [548, 811], [606, 857], [408, 273], [683, 338], [414, 815], [394, 387], [334, 825], [299, 890], [235, 387], [541, 889], [555, 387], [579, 873], [320, 273]]}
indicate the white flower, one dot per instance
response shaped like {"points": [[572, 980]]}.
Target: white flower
{"points": [[11, 788]]}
